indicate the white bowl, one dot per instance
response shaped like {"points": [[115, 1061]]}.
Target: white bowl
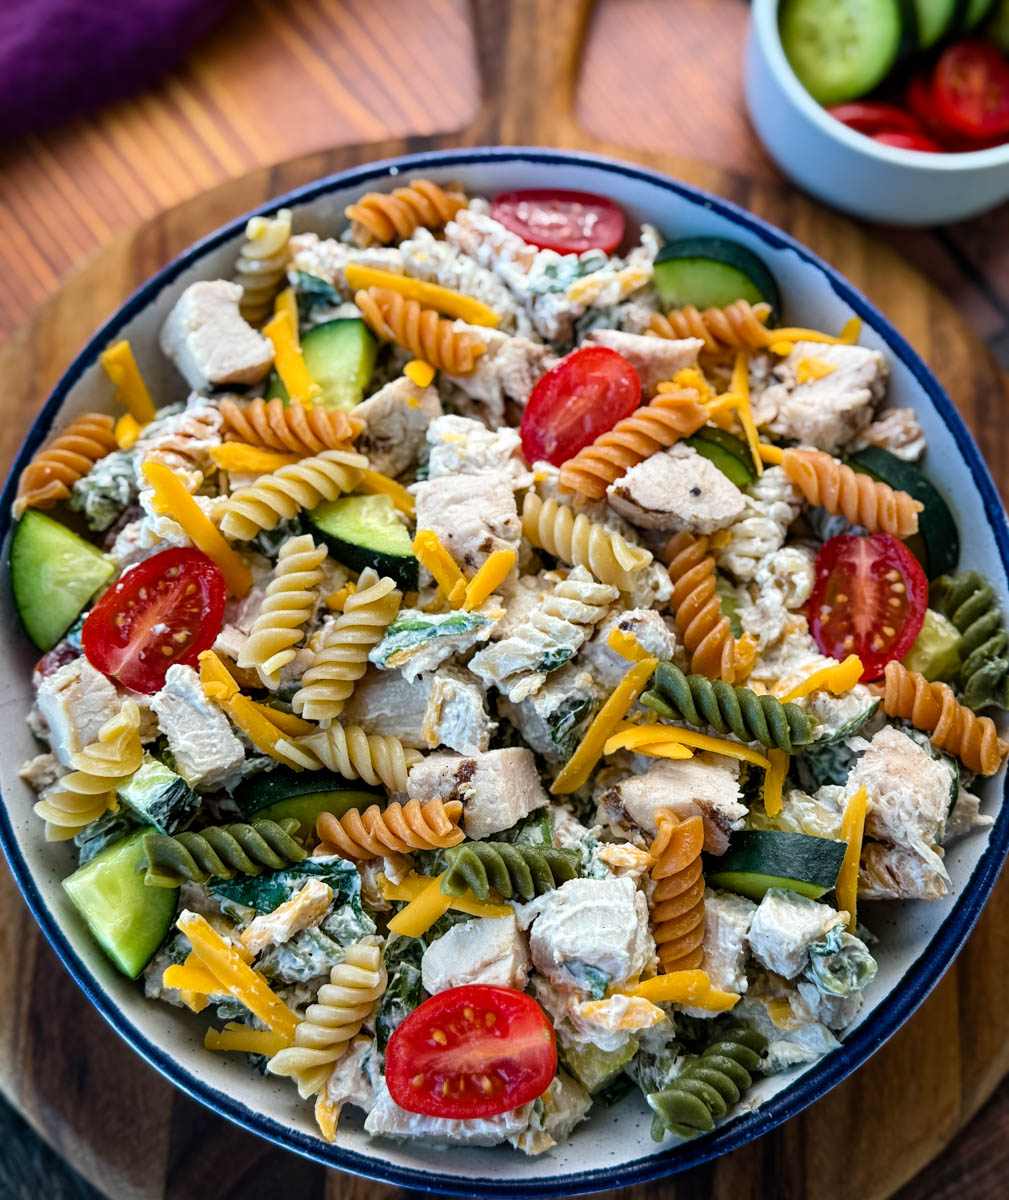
{"points": [[917, 940], [848, 170]]}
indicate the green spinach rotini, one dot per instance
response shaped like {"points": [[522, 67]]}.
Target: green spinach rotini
{"points": [[512, 870], [221, 851], [969, 602]]}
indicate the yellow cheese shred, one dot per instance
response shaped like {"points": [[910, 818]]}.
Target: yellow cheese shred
{"points": [[430, 553], [245, 1040], [626, 645], [327, 1115], [836, 679], [579, 766], [419, 372], [121, 367], [741, 389], [774, 780], [190, 976], [772, 455], [812, 368], [852, 829], [172, 499], [375, 483], [651, 739], [286, 302], [690, 377], [431, 295], [288, 360], [337, 601], [412, 886], [692, 988], [424, 909], [261, 725], [722, 411], [788, 336], [289, 723], [237, 456], [127, 431], [638, 1013], [491, 575]]}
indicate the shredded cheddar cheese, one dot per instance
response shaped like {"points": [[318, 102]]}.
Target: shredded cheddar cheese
{"points": [[263, 726], [121, 367], [741, 391], [648, 740], [772, 455], [774, 781], [431, 295], [653, 740], [424, 909], [836, 679], [691, 988], [127, 431], [237, 456], [626, 645], [432, 555], [336, 601], [286, 302], [852, 829], [812, 368], [245, 1040], [621, 1011], [690, 377], [288, 360], [419, 372], [779, 338], [491, 575], [375, 483], [412, 886]]}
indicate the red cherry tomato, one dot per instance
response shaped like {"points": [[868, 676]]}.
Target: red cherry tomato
{"points": [[971, 90], [908, 141], [471, 1051], [588, 392], [869, 598], [870, 117], [568, 222], [166, 610]]}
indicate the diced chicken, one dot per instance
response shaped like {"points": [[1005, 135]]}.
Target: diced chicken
{"points": [[350, 1081], [645, 625], [42, 771], [328, 258], [508, 370], [497, 788], [75, 701], [456, 714], [836, 1012], [705, 785], [210, 342], [207, 754], [396, 420], [599, 924], [473, 515], [565, 1103], [387, 1119], [727, 920], [655, 359], [677, 489], [306, 907], [896, 430], [462, 446], [488, 950], [554, 719], [896, 873], [827, 412], [966, 815], [783, 928]]}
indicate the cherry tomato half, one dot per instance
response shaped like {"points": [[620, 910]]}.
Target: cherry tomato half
{"points": [[869, 598], [472, 1051], [971, 89], [870, 117], [166, 610], [908, 141], [586, 394], [568, 222]]}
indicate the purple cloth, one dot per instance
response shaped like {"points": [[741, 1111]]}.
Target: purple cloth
{"points": [[59, 59]]}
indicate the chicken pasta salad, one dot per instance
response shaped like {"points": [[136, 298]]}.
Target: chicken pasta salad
{"points": [[492, 678]]}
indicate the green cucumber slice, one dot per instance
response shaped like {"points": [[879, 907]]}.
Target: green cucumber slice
{"points": [[935, 653], [128, 919], [936, 18], [730, 454], [340, 357], [997, 29], [282, 793], [976, 11], [711, 272], [54, 573], [364, 531], [758, 859], [841, 49]]}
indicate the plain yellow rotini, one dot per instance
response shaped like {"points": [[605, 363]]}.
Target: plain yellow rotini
{"points": [[283, 494], [90, 789], [422, 331], [287, 607], [697, 609], [342, 658], [677, 902], [341, 1007], [396, 829], [738, 326], [654, 427], [859, 498], [294, 429], [579, 542], [54, 470], [354, 754], [381, 217], [262, 263]]}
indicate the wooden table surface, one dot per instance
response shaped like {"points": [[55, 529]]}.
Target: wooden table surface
{"points": [[278, 80]]}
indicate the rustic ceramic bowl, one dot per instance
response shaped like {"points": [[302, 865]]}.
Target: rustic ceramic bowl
{"points": [[917, 940]]}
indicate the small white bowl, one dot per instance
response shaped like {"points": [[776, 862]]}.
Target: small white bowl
{"points": [[848, 170]]}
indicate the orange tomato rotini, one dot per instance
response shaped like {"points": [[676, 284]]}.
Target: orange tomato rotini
{"points": [[677, 903], [382, 217], [294, 429], [51, 474], [859, 498], [422, 331], [697, 609]]}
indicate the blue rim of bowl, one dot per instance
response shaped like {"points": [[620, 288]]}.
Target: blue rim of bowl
{"points": [[917, 982]]}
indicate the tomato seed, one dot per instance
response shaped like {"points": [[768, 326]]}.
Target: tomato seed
{"points": [[438, 1035], [417, 1080]]}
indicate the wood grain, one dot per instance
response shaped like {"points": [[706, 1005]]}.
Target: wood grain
{"points": [[134, 1136]]}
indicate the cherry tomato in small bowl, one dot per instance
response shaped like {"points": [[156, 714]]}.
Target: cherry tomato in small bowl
{"points": [[568, 222], [908, 141], [166, 610], [970, 88], [869, 598], [469, 1052], [586, 394], [871, 117]]}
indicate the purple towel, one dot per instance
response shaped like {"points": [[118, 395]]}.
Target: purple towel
{"points": [[59, 59]]}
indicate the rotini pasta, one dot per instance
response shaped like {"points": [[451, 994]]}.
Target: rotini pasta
{"points": [[859, 498], [738, 326], [262, 263], [655, 426], [396, 829], [280, 496], [294, 428], [579, 542], [183, 443], [514, 871], [221, 852], [697, 609], [677, 902], [287, 607], [54, 470], [422, 331], [969, 602], [342, 657], [354, 754], [382, 217]]}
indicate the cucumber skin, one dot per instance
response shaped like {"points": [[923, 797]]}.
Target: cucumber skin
{"points": [[315, 347], [402, 568], [795, 861], [733, 466], [285, 793], [729, 253], [754, 885]]}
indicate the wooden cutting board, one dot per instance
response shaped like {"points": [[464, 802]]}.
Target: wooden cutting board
{"points": [[130, 1132]]}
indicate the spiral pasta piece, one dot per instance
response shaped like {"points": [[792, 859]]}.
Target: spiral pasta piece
{"points": [[294, 429], [341, 1008], [342, 658], [183, 443], [738, 326], [515, 871], [354, 754], [932, 708], [287, 608], [396, 829], [737, 710], [858, 498], [54, 470], [677, 901], [279, 496], [709, 1085], [970, 603], [579, 542], [89, 790], [427, 336], [697, 609], [382, 217], [262, 263], [221, 852], [653, 427]]}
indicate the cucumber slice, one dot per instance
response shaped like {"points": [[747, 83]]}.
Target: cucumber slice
{"points": [[936, 18], [935, 653], [340, 357], [758, 859], [841, 49], [711, 272], [54, 573], [997, 29], [282, 793], [730, 454], [128, 919], [976, 12], [937, 546], [364, 531]]}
